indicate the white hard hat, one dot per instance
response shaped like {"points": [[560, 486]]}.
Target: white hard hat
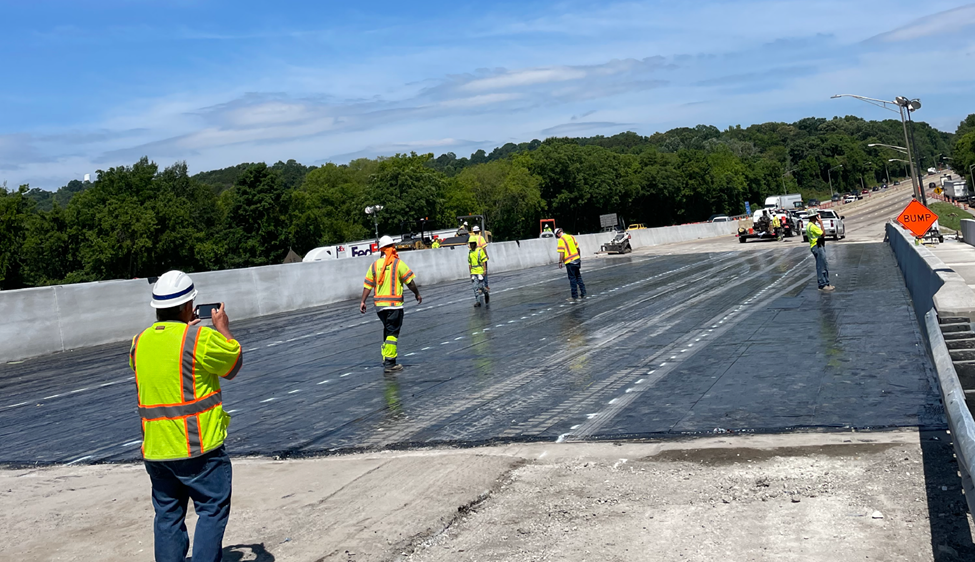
{"points": [[173, 288], [558, 232], [385, 241], [477, 228]]}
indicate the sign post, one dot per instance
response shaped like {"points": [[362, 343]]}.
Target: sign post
{"points": [[917, 218]]}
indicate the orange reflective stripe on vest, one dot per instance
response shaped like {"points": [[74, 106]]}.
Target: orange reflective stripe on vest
{"points": [[568, 248]]}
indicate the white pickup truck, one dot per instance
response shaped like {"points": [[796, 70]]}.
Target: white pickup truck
{"points": [[833, 225]]}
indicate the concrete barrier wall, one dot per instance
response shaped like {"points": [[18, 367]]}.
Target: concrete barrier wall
{"points": [[938, 291], [51, 319], [968, 231]]}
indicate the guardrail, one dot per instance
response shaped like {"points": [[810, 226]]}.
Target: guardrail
{"points": [[939, 291]]}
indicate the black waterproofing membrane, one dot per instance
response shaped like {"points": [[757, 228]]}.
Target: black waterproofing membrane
{"points": [[663, 346]]}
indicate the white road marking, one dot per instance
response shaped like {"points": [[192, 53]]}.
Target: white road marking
{"points": [[294, 391], [640, 381], [425, 348], [408, 354], [78, 460], [139, 442], [345, 375], [323, 382], [50, 397], [79, 390], [15, 405], [265, 401]]}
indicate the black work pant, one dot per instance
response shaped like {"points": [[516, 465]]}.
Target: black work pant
{"points": [[392, 319]]}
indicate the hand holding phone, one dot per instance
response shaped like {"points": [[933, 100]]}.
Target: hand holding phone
{"points": [[206, 310]]}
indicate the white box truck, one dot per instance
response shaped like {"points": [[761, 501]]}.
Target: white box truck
{"points": [[956, 189], [790, 201]]}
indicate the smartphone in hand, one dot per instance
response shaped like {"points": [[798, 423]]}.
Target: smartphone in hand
{"points": [[206, 310]]}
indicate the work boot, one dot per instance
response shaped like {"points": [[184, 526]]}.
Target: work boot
{"points": [[392, 367], [827, 289], [571, 299], [477, 304]]}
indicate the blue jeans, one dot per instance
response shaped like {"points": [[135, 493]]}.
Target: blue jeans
{"points": [[822, 268], [574, 269], [205, 479]]}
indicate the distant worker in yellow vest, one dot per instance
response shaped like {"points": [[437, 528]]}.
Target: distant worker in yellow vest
{"points": [[435, 244], [547, 228], [482, 244], [477, 265], [178, 365], [387, 276], [570, 256], [776, 225], [817, 245]]}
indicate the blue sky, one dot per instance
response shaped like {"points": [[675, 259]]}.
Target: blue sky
{"points": [[89, 85]]}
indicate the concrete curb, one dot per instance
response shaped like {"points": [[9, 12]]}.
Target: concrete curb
{"points": [[44, 320]]}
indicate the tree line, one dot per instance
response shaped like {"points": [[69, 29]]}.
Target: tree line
{"points": [[140, 220]]}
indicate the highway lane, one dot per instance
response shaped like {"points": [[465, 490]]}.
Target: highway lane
{"points": [[710, 340]]}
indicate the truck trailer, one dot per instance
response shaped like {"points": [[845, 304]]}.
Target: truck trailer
{"points": [[790, 201]]}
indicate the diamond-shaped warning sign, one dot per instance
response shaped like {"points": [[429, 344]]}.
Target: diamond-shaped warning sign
{"points": [[917, 218]]}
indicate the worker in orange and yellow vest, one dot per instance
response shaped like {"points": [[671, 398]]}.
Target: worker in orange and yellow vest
{"points": [[387, 276], [178, 365], [570, 256]]}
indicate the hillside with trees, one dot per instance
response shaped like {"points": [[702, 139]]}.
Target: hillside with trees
{"points": [[141, 220]]}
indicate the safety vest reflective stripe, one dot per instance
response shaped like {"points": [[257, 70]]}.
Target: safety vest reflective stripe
{"points": [[174, 411], [568, 248], [188, 363], [395, 288], [235, 369]]}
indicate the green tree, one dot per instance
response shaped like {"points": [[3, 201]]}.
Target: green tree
{"points": [[408, 190], [256, 223], [15, 211]]}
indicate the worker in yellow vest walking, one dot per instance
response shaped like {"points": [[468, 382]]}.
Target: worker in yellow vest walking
{"points": [[477, 265], [178, 365], [387, 276], [569, 256], [482, 243]]}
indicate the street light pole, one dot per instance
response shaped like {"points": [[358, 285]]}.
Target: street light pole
{"points": [[907, 106], [903, 105], [830, 177]]}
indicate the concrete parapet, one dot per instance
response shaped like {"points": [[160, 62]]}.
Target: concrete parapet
{"points": [[51, 319], [967, 230]]}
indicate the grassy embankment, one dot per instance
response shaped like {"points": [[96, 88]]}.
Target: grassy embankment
{"points": [[949, 216]]}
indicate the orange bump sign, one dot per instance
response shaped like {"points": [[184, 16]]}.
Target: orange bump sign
{"points": [[917, 218]]}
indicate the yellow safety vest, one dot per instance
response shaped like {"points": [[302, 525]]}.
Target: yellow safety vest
{"points": [[568, 248], [813, 232], [481, 241], [436, 244], [476, 260], [177, 375], [390, 293], [775, 222]]}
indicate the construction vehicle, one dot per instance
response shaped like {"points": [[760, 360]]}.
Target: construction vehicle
{"points": [[412, 241], [620, 244], [464, 234], [542, 224]]}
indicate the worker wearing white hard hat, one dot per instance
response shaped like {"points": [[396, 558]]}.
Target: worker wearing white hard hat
{"points": [[178, 366], [476, 236], [387, 276]]}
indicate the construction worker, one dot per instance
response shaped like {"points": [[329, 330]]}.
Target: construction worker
{"points": [[477, 261], [481, 243], [547, 228], [435, 244], [178, 365], [462, 230], [776, 225], [387, 276], [570, 257], [481, 240], [817, 245]]}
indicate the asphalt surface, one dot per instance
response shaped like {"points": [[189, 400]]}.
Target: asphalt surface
{"points": [[665, 345]]}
